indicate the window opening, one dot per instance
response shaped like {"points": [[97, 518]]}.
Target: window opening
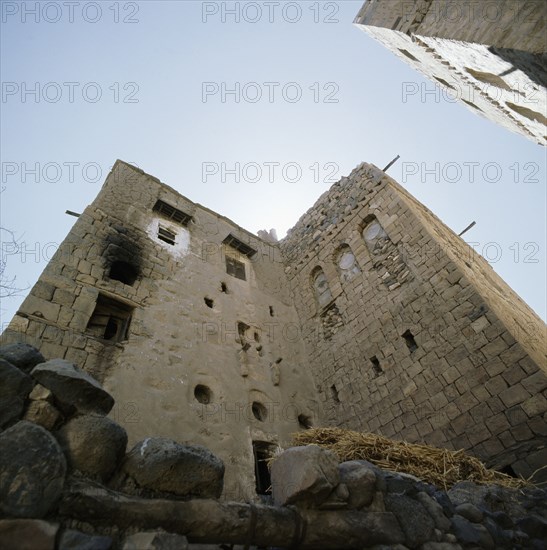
{"points": [[235, 268], [334, 394], [409, 340], [259, 411], [110, 319], [376, 365], [123, 272], [304, 421], [321, 287], [166, 235], [203, 394]]}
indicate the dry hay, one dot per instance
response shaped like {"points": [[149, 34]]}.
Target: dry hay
{"points": [[440, 467]]}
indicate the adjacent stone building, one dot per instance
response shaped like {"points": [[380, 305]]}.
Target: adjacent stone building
{"points": [[491, 56], [371, 314]]}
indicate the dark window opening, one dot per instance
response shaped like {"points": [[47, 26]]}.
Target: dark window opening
{"points": [[334, 394], [376, 365], [508, 470], [208, 302], [223, 288], [171, 212], [166, 236], [202, 394], [528, 113], [488, 78], [444, 82], [408, 54], [471, 104], [256, 336], [242, 329], [271, 311], [304, 421], [235, 268], [409, 340], [259, 411], [110, 319], [123, 272], [262, 453]]}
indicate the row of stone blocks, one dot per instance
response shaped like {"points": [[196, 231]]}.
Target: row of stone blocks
{"points": [[66, 482]]}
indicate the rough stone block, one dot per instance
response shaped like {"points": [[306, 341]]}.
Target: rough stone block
{"points": [[304, 476]]}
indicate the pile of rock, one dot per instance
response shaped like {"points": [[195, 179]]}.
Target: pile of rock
{"points": [[416, 514], [55, 432], [67, 482]]}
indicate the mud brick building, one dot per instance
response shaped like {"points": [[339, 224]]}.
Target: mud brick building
{"points": [[371, 314], [490, 56]]}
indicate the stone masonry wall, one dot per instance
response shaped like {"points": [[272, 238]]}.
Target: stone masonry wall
{"points": [[427, 358], [185, 370], [488, 55]]}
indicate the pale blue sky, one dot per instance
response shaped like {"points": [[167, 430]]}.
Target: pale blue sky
{"points": [[159, 65]]}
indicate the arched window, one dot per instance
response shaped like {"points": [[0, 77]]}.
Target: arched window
{"points": [[346, 263], [373, 234], [321, 287]]}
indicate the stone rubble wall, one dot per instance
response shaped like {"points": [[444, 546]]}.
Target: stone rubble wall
{"points": [[66, 481], [473, 379]]}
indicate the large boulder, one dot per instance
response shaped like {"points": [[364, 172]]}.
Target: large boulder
{"points": [[32, 471], [27, 534], [360, 480], [14, 389], [23, 356], [93, 444], [304, 476], [72, 387], [416, 523], [160, 467]]}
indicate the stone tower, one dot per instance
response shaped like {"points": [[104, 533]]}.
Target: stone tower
{"points": [[370, 314], [491, 56], [410, 333]]}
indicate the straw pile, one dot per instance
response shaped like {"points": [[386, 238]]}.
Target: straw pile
{"points": [[440, 467]]}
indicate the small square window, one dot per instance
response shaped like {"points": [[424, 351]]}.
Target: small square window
{"points": [[235, 268], [166, 235]]}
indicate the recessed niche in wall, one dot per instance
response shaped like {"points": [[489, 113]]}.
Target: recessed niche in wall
{"points": [[271, 311], [376, 365], [334, 394], [409, 340], [224, 288], [321, 287], [259, 411], [110, 319], [123, 272], [208, 302], [346, 263], [203, 394], [304, 421], [408, 54]]}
